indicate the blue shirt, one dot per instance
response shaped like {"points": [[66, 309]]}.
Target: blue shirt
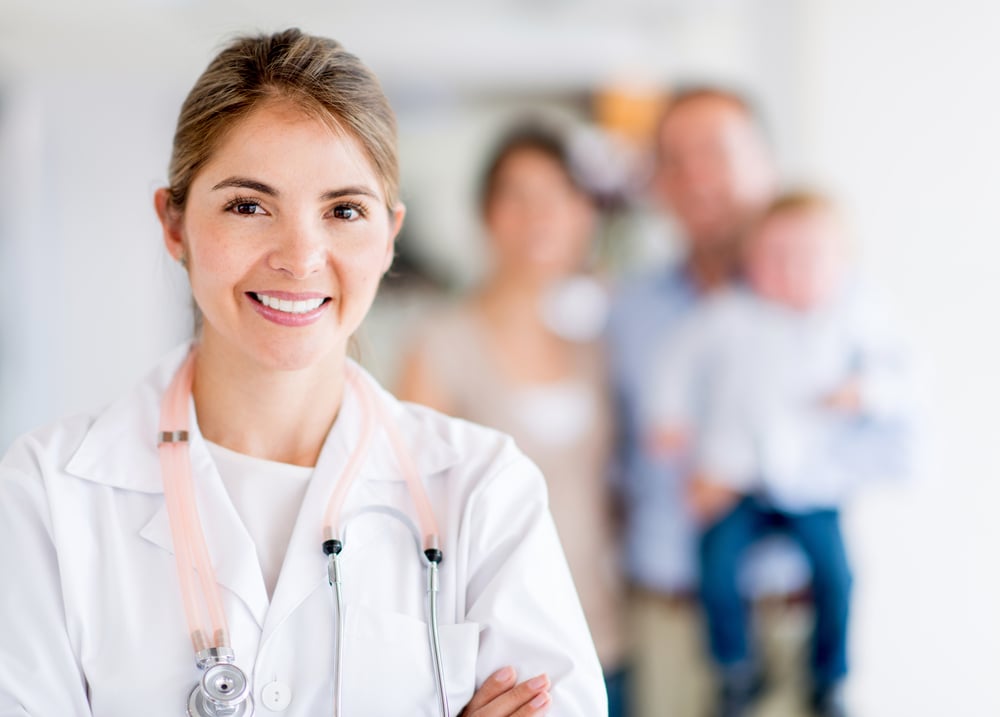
{"points": [[660, 535]]}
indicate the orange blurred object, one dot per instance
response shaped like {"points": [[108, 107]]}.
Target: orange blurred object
{"points": [[630, 111]]}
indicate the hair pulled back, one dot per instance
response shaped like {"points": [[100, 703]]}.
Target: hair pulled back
{"points": [[316, 73]]}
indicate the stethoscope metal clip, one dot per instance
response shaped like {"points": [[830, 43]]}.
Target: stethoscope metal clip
{"points": [[224, 690]]}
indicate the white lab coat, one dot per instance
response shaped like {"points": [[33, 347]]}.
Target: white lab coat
{"points": [[91, 618]]}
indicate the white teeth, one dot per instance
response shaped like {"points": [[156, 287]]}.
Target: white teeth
{"points": [[289, 307]]}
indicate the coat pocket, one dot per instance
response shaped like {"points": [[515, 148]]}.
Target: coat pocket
{"points": [[388, 665]]}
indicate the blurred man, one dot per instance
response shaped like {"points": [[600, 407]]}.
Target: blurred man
{"points": [[715, 173], [756, 392], [716, 176]]}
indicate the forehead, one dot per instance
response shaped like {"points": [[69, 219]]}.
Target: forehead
{"points": [[704, 119], [807, 224], [528, 160], [279, 142]]}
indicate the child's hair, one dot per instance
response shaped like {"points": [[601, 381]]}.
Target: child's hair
{"points": [[799, 200], [796, 201]]}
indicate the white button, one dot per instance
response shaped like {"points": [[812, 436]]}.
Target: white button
{"points": [[276, 696]]}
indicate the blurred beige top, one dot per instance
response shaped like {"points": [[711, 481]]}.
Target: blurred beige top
{"points": [[565, 427]]}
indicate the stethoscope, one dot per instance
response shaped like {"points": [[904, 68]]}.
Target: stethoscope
{"points": [[224, 690]]}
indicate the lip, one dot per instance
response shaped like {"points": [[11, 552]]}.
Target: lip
{"points": [[285, 319], [290, 295]]}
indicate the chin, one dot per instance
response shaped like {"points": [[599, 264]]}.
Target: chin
{"points": [[300, 355]]}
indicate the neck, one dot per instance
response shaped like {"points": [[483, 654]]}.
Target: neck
{"points": [[711, 266], [510, 299], [265, 412]]}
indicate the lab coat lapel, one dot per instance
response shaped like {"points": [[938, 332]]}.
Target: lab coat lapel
{"points": [[230, 546], [120, 451]]}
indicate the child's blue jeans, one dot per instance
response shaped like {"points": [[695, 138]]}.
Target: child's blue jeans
{"points": [[721, 551]]}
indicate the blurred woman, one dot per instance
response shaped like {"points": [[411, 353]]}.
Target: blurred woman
{"points": [[521, 354]]}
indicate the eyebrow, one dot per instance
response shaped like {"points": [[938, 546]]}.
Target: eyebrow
{"points": [[246, 183], [348, 191]]}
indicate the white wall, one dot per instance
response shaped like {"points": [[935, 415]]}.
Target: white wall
{"points": [[902, 117], [89, 299]]}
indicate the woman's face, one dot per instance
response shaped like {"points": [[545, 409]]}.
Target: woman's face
{"points": [[286, 235], [540, 224]]}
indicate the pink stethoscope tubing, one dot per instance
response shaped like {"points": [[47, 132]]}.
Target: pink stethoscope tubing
{"points": [[194, 566]]}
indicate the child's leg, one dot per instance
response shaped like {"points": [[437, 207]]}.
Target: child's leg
{"points": [[720, 553], [820, 536]]}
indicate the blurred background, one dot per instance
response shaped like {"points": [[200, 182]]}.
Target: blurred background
{"points": [[892, 105]]}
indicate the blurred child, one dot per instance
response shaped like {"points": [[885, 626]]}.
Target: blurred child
{"points": [[761, 384]]}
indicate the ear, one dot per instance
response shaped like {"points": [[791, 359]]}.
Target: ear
{"points": [[395, 224], [171, 222]]}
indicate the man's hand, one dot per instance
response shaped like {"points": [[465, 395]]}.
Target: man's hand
{"points": [[710, 500], [845, 398], [668, 442]]}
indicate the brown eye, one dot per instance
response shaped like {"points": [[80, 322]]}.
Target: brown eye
{"points": [[347, 212], [245, 206]]}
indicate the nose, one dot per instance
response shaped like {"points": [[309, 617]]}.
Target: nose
{"points": [[299, 250]]}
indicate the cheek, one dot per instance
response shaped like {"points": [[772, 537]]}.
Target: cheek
{"points": [[360, 270], [575, 233], [769, 274], [218, 246], [216, 261], [505, 221]]}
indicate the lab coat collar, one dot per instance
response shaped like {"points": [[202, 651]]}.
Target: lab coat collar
{"points": [[120, 450]]}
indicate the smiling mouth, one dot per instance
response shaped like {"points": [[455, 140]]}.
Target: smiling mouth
{"points": [[288, 306]]}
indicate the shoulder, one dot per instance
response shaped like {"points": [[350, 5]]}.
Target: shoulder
{"points": [[111, 445], [50, 445], [471, 445], [638, 289], [471, 456], [448, 340], [445, 324], [722, 312], [38, 458], [646, 308]]}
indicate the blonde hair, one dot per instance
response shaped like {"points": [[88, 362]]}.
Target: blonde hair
{"points": [[800, 200], [316, 73]]}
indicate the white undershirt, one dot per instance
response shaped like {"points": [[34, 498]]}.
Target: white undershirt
{"points": [[267, 496]]}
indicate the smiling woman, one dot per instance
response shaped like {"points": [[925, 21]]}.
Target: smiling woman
{"points": [[185, 535], [287, 207]]}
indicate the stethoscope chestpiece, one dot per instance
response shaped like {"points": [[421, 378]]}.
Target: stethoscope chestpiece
{"points": [[224, 691]]}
